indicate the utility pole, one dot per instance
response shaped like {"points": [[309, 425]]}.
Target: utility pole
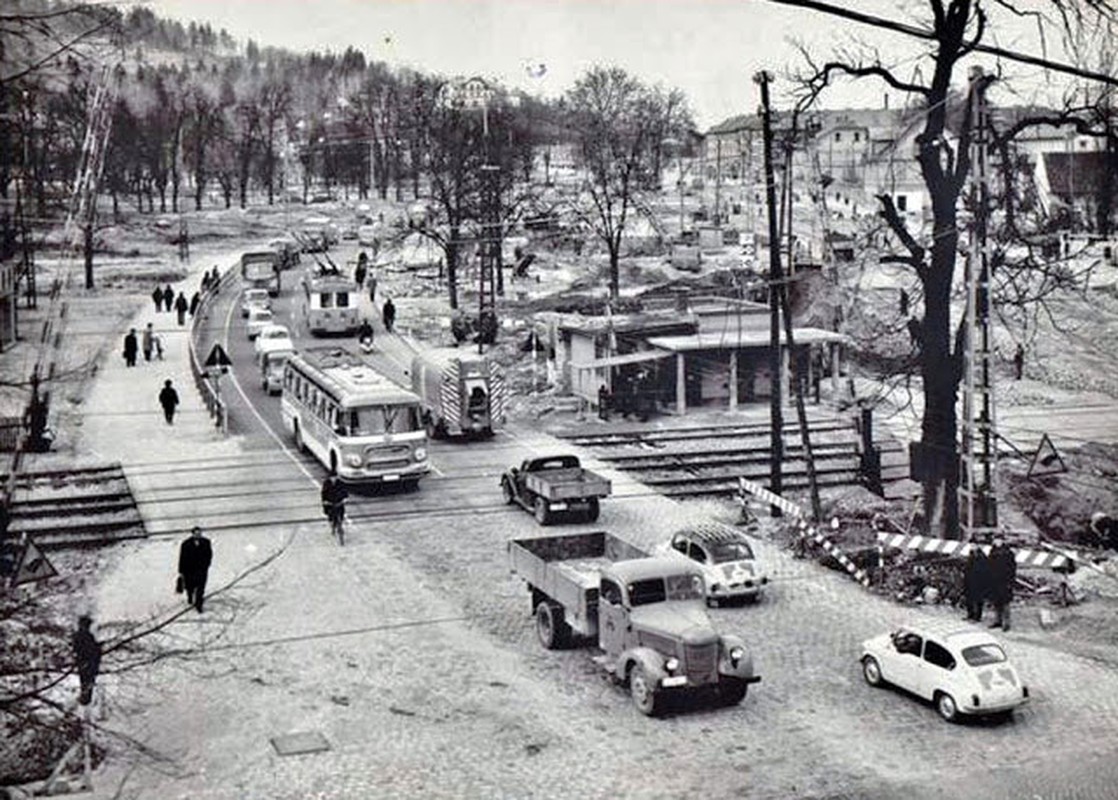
{"points": [[776, 279]]}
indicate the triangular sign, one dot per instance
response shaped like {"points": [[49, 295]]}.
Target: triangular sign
{"points": [[1046, 460], [218, 357], [34, 566]]}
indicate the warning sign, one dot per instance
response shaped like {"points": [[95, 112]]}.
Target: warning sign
{"points": [[218, 357], [33, 566]]}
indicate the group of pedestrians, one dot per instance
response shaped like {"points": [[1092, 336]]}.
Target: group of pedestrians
{"points": [[989, 579], [165, 300]]}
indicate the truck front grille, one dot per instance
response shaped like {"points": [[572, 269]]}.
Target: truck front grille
{"points": [[701, 662]]}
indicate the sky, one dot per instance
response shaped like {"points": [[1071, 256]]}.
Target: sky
{"points": [[708, 48]]}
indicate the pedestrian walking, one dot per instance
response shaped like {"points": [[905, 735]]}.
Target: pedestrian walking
{"points": [[215, 277], [130, 348], [205, 282], [372, 287], [1019, 362], [389, 314], [157, 298], [361, 271], [87, 658], [1003, 572], [169, 399], [157, 340], [168, 297], [976, 581], [904, 303], [195, 301], [195, 556], [181, 307], [603, 403], [147, 342]]}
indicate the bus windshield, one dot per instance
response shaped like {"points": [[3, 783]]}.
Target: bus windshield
{"points": [[380, 419]]}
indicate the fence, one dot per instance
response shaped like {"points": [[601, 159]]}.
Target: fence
{"points": [[214, 404]]}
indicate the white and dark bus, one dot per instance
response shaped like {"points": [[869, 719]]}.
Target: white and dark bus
{"points": [[353, 419], [330, 304]]}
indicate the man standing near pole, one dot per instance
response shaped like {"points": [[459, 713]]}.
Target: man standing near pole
{"points": [[87, 658]]}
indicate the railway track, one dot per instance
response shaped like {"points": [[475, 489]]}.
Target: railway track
{"points": [[80, 506]]}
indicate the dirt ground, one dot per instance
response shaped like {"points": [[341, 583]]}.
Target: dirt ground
{"points": [[1074, 356]]}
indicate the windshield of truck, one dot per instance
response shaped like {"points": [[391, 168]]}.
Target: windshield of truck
{"points": [[670, 587], [380, 419], [722, 552]]}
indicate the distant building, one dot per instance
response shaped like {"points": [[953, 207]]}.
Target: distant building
{"points": [[1075, 181]]}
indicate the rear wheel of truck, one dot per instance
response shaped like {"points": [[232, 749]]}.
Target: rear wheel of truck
{"points": [[731, 691], [543, 515], [552, 629], [644, 694], [593, 509]]}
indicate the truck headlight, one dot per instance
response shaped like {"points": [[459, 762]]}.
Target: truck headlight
{"points": [[715, 588], [737, 654], [672, 664], [353, 459], [420, 453]]}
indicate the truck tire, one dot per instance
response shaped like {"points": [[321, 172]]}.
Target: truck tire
{"points": [[551, 628], [643, 691], [506, 491], [731, 691], [593, 509], [541, 511]]}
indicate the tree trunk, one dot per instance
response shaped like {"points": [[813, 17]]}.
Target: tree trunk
{"points": [[451, 250], [614, 268]]}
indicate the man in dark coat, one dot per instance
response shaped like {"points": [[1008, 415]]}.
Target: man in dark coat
{"points": [[1003, 572], [131, 347], [195, 556], [87, 658], [147, 341], [157, 298], [976, 581], [389, 314], [195, 301], [168, 297], [169, 399], [181, 306]]}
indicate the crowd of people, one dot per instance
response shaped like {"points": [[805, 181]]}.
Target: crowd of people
{"points": [[989, 578]]}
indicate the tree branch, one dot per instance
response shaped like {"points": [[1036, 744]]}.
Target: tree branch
{"points": [[917, 253]]}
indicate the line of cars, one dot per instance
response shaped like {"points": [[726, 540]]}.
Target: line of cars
{"points": [[272, 341]]}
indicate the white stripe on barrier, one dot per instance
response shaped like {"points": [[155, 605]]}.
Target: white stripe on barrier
{"points": [[954, 547]]}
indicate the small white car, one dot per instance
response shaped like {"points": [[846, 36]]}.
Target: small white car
{"points": [[728, 565], [272, 337], [254, 298], [258, 319], [961, 669], [272, 363]]}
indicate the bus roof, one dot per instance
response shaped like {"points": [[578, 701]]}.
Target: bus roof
{"points": [[350, 379]]}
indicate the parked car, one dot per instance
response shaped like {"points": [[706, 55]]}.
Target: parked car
{"points": [[258, 319], [725, 559], [254, 298], [962, 670], [272, 337]]}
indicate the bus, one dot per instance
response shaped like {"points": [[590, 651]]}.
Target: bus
{"points": [[330, 303], [351, 418], [260, 270]]}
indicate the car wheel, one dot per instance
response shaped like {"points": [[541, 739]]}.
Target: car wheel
{"points": [[732, 691], [551, 628], [871, 671], [644, 694], [945, 705], [543, 515], [593, 510], [506, 491]]}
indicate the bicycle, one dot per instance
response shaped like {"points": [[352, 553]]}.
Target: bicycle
{"points": [[335, 512]]}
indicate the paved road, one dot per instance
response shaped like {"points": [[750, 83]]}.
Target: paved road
{"points": [[412, 650]]}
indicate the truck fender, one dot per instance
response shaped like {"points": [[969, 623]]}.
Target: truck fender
{"points": [[650, 660], [744, 667]]}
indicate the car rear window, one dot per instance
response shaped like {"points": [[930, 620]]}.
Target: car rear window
{"points": [[980, 655], [723, 552]]}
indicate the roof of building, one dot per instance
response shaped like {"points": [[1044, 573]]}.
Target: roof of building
{"points": [[627, 323], [732, 340]]}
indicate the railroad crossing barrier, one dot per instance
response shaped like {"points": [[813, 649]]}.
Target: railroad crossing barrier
{"points": [[748, 487], [954, 547], [214, 404]]}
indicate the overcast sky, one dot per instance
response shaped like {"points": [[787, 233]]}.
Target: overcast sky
{"points": [[708, 48]]}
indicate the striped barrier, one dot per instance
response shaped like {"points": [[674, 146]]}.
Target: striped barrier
{"points": [[748, 487], [954, 547]]}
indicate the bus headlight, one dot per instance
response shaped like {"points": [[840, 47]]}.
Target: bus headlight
{"points": [[420, 453], [736, 655], [672, 664], [353, 459]]}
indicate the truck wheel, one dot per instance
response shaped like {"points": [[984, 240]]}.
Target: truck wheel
{"points": [[732, 691], [553, 631], [506, 491], [644, 694], [543, 515], [593, 509]]}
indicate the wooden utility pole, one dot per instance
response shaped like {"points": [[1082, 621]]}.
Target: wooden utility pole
{"points": [[776, 279]]}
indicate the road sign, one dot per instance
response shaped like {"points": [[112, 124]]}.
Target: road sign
{"points": [[218, 357], [33, 566]]}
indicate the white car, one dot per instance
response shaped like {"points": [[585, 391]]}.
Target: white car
{"points": [[258, 319], [961, 669], [254, 298], [729, 568], [272, 337]]}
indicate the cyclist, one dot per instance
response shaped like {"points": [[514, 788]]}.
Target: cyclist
{"points": [[334, 495]]}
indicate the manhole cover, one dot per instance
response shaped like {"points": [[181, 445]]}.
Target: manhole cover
{"points": [[294, 744]]}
